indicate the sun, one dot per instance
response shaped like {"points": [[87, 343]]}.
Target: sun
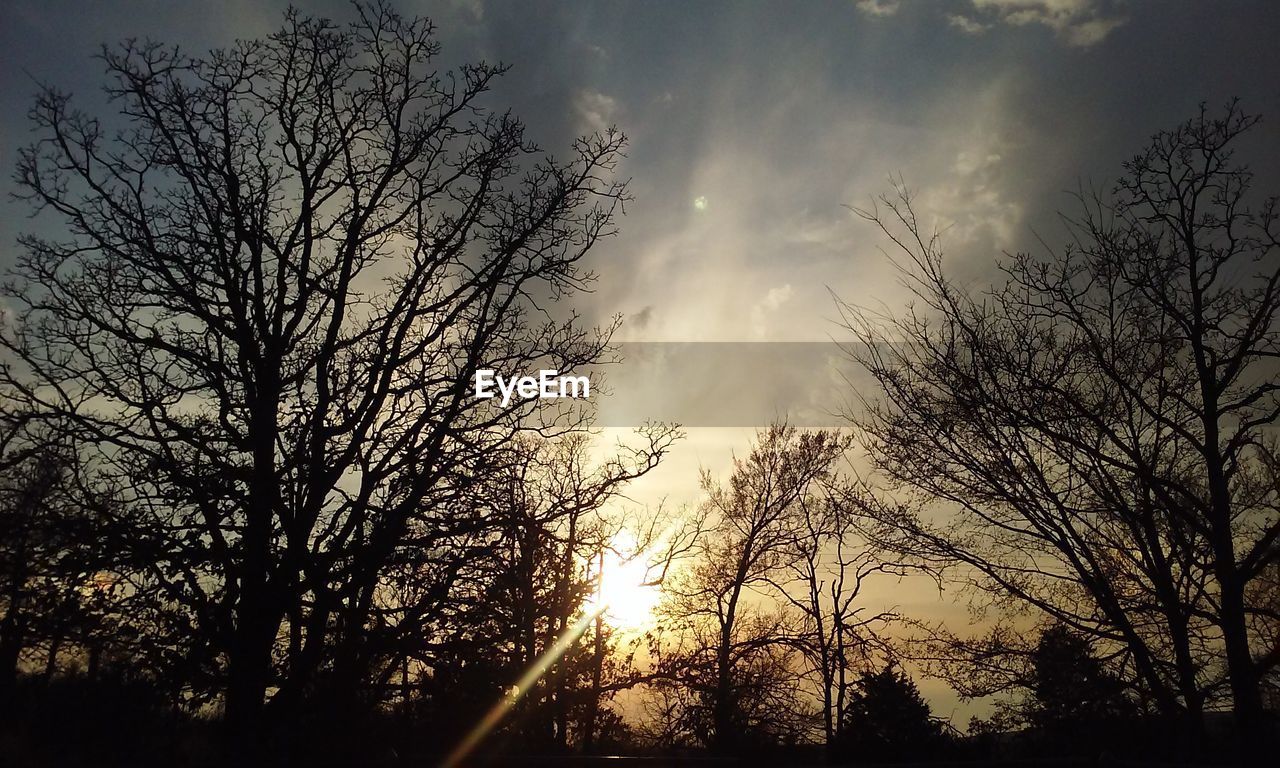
{"points": [[624, 595]]}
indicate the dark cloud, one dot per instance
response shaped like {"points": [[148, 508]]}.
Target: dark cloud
{"points": [[752, 125], [640, 320]]}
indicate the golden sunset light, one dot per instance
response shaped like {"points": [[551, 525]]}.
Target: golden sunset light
{"points": [[736, 383], [625, 596]]}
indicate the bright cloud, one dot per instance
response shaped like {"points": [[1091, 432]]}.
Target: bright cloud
{"points": [[878, 7], [596, 110], [967, 25], [1080, 23], [767, 307]]}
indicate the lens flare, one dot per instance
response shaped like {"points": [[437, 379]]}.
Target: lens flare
{"points": [[623, 596], [504, 705]]}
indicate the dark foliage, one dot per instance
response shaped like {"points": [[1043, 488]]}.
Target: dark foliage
{"points": [[887, 721], [118, 719], [1070, 688]]}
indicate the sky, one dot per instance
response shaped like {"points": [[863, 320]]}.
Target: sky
{"points": [[753, 126]]}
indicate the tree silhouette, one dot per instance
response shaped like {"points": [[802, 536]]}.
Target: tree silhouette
{"points": [[887, 720], [551, 528], [62, 604], [828, 565], [39, 534], [282, 264], [244, 477], [1070, 688], [1099, 419], [732, 648]]}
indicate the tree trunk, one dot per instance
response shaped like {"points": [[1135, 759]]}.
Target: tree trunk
{"points": [[51, 661], [257, 618], [722, 706], [12, 626], [597, 666], [248, 675], [11, 641], [1246, 696]]}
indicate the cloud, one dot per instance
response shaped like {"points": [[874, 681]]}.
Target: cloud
{"points": [[878, 8], [976, 200], [640, 320], [767, 307], [597, 111], [776, 297], [10, 321], [967, 25], [1080, 23], [475, 8], [1093, 31]]}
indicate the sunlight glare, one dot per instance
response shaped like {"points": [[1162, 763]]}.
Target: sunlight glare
{"points": [[626, 597]]}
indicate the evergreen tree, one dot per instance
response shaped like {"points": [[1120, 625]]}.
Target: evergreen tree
{"points": [[887, 720]]}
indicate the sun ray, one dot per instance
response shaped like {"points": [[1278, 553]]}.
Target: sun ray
{"points": [[624, 596], [531, 676]]}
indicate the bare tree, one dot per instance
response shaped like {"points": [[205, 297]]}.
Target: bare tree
{"points": [[553, 526], [733, 640], [39, 530], [283, 263], [1096, 424], [1263, 603], [830, 563], [468, 615]]}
